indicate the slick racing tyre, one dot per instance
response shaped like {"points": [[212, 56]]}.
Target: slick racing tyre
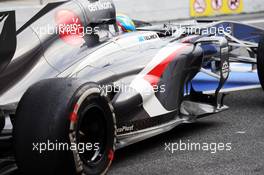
{"points": [[2, 122], [64, 126], [260, 62]]}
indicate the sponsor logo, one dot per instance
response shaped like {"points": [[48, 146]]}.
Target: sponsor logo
{"points": [[97, 6], [125, 129], [70, 27], [225, 69], [147, 37]]}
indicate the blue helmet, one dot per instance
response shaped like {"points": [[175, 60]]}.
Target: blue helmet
{"points": [[125, 23]]}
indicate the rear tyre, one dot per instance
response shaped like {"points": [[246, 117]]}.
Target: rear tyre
{"points": [[66, 112], [260, 62], [2, 122]]}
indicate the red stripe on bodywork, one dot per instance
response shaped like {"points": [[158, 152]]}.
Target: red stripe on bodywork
{"points": [[155, 74]]}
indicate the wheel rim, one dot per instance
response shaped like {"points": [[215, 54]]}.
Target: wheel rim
{"points": [[91, 131]]}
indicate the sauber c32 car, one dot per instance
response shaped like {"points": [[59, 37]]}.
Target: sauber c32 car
{"points": [[106, 89]]}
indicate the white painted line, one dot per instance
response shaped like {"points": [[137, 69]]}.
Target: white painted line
{"points": [[240, 132], [235, 89]]}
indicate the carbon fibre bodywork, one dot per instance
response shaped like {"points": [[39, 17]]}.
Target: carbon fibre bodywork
{"points": [[132, 65]]}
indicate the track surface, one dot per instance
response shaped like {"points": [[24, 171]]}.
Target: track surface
{"points": [[242, 126]]}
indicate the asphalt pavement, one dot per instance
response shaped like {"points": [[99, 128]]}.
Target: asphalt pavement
{"points": [[242, 126]]}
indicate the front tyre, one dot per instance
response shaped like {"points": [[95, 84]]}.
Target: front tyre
{"points": [[260, 62], [64, 126]]}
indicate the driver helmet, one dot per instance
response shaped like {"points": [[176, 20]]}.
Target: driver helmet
{"points": [[125, 23]]}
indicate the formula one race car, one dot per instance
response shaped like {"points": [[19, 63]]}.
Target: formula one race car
{"points": [[76, 88]]}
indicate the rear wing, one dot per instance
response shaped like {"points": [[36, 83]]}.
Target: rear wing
{"points": [[8, 39]]}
